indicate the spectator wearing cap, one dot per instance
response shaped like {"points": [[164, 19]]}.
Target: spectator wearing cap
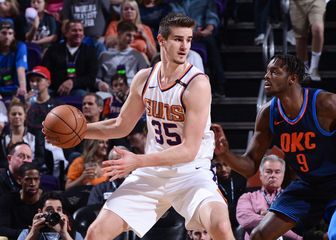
{"points": [[13, 61], [39, 80]]}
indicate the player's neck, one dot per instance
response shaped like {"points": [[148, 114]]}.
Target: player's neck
{"points": [[170, 71], [292, 102]]}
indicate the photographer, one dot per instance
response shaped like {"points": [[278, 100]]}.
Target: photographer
{"points": [[50, 222]]}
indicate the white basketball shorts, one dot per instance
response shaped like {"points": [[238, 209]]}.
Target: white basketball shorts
{"points": [[148, 193]]}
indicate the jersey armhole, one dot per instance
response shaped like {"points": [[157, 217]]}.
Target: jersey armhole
{"points": [[271, 120], [186, 85], [317, 124], [148, 80]]}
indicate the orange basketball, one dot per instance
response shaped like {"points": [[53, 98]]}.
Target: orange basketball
{"points": [[65, 126]]}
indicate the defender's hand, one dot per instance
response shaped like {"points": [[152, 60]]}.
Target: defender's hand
{"points": [[221, 143]]}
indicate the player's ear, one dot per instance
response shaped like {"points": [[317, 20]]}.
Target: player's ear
{"points": [[160, 39], [292, 79]]}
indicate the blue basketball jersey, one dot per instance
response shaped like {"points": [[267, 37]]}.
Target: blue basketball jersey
{"points": [[309, 149]]}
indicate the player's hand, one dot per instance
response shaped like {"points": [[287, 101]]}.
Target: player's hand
{"points": [[121, 167], [48, 139], [221, 143]]}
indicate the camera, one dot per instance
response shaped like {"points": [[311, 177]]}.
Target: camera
{"points": [[52, 218]]}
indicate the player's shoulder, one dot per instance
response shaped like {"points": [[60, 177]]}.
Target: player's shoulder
{"points": [[265, 108], [198, 83], [143, 74], [326, 101], [263, 112], [140, 78], [198, 79]]}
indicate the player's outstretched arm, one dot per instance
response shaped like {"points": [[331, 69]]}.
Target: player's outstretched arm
{"points": [[129, 115], [247, 164]]}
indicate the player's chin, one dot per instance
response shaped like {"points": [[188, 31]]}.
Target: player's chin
{"points": [[268, 91], [180, 61]]}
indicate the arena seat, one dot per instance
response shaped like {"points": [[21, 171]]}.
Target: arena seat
{"points": [[169, 227]]}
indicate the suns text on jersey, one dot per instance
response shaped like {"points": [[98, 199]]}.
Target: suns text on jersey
{"points": [[164, 111]]}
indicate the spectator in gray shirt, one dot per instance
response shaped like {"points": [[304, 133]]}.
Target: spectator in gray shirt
{"points": [[123, 54]]}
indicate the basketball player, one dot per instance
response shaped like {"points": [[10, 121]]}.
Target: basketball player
{"points": [[302, 122], [175, 171]]}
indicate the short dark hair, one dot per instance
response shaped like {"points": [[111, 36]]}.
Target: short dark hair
{"points": [[72, 21], [174, 20], [54, 196], [293, 65], [26, 167], [11, 148], [125, 26], [99, 101]]}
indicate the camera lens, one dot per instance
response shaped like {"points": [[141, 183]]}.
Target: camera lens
{"points": [[52, 218]]}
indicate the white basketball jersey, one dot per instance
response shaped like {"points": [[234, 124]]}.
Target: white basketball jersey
{"points": [[166, 113]]}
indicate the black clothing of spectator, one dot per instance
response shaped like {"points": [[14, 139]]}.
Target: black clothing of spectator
{"points": [[7, 182], [15, 215], [57, 58]]}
